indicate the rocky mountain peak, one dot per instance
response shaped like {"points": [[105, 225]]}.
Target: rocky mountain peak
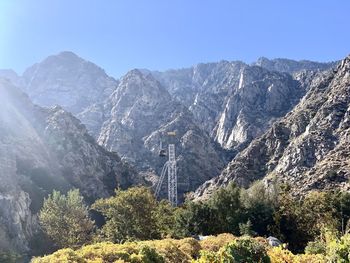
{"points": [[344, 64], [67, 80]]}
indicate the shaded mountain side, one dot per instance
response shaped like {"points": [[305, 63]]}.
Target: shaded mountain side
{"points": [[46, 149], [308, 148]]}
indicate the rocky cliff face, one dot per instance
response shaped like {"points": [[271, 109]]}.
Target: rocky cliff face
{"points": [[235, 102], [308, 148], [141, 113], [67, 80], [46, 149]]}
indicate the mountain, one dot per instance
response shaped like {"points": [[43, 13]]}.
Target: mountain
{"points": [[308, 148], [45, 149], [235, 102], [292, 66], [12, 76], [141, 112], [67, 80], [217, 109]]}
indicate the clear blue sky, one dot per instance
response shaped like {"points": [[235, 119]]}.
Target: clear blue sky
{"points": [[160, 34]]}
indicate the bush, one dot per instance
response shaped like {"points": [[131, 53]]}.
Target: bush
{"points": [[208, 257], [304, 258], [175, 250], [339, 250], [67, 255], [281, 255], [241, 250], [106, 253], [245, 250], [316, 247], [214, 243], [190, 246]]}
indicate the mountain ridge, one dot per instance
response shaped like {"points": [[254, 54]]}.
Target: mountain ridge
{"points": [[307, 148]]}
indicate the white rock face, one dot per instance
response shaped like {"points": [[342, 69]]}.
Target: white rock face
{"points": [[232, 101]]}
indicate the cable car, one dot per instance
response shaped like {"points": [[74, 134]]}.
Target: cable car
{"points": [[162, 152]]}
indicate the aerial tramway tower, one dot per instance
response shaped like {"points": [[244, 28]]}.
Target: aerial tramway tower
{"points": [[170, 169]]}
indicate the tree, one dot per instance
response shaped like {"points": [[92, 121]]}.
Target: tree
{"points": [[245, 229], [228, 210], [300, 221], [165, 219], [195, 218], [130, 215], [65, 219], [258, 203]]}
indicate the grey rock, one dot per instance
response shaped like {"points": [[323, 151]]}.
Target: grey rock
{"points": [[293, 66], [141, 113], [308, 148], [67, 80]]}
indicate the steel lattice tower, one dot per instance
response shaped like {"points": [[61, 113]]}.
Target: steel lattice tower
{"points": [[170, 167]]}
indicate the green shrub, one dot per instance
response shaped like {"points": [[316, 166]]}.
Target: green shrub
{"points": [[316, 247], [245, 229], [339, 250], [208, 257], [241, 250], [245, 250]]}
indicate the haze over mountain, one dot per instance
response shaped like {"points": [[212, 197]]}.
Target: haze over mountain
{"points": [[46, 149]]}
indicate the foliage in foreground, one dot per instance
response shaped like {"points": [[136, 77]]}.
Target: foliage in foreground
{"points": [[235, 250], [135, 215]]}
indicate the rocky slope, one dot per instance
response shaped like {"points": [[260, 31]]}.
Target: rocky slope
{"points": [[235, 102], [214, 107], [141, 113], [46, 149], [308, 148]]}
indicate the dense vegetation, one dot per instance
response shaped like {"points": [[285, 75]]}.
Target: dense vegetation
{"points": [[214, 249], [315, 224]]}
